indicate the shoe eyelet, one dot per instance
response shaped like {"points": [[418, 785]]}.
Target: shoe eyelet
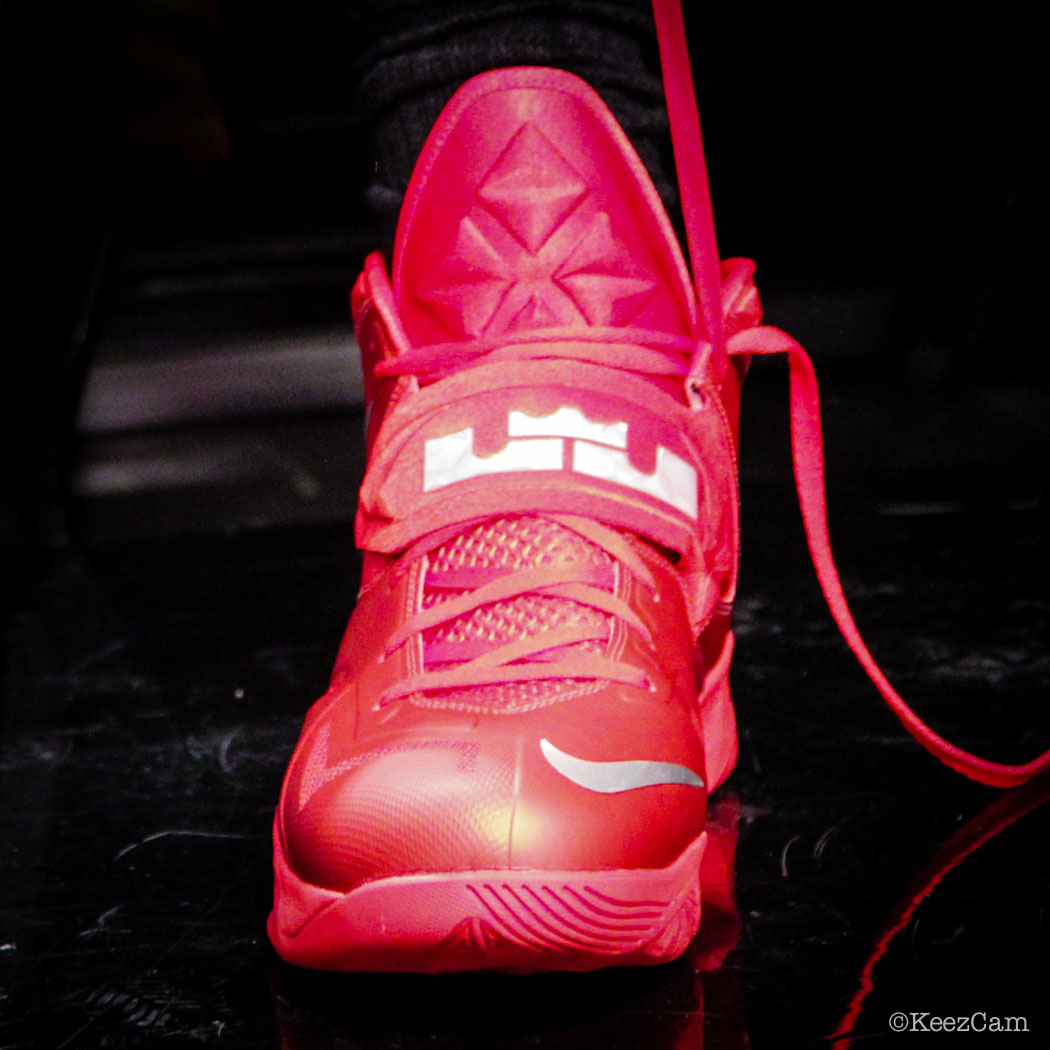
{"points": [[698, 396]]}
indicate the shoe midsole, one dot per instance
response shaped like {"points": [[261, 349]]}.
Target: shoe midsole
{"points": [[508, 919]]}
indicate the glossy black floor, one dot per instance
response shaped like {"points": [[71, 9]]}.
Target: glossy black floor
{"points": [[154, 688], [161, 646]]}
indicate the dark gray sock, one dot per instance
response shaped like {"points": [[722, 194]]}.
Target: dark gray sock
{"points": [[414, 55]]}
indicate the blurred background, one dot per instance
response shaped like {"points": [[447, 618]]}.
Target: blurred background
{"points": [[181, 408], [189, 223], [185, 219]]}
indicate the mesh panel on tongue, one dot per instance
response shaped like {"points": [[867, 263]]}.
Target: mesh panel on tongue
{"points": [[508, 544], [516, 543]]}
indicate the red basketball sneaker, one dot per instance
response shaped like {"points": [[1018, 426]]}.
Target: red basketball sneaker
{"points": [[531, 704]]}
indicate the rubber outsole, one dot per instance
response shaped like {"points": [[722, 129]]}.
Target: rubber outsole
{"points": [[514, 921]]}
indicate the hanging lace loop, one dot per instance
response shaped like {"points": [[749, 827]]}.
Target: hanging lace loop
{"points": [[806, 439], [807, 450]]}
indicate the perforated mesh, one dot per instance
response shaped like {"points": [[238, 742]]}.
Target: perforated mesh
{"points": [[516, 543], [508, 544]]}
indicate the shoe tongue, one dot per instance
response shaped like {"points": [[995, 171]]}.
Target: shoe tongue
{"points": [[529, 209], [507, 544]]}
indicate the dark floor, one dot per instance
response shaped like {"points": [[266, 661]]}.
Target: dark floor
{"points": [[154, 688], [179, 606]]}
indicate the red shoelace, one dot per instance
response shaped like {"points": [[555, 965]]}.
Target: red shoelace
{"points": [[542, 654], [806, 439]]}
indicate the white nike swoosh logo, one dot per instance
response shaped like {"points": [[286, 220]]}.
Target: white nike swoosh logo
{"points": [[611, 777]]}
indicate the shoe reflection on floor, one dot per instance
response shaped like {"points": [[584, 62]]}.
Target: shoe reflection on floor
{"points": [[657, 1009], [696, 1002]]}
